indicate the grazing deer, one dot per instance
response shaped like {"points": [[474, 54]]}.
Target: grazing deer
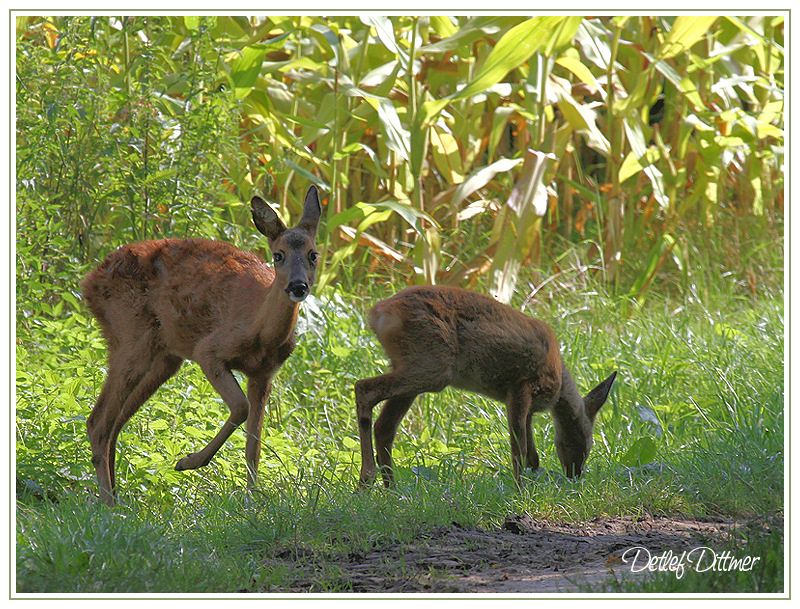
{"points": [[437, 337], [162, 302]]}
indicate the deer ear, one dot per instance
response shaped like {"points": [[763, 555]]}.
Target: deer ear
{"points": [[598, 396], [266, 220], [312, 210]]}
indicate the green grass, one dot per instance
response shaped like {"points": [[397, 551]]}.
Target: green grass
{"points": [[694, 427]]}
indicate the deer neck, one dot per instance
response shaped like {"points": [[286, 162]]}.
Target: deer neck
{"points": [[276, 318], [569, 414], [569, 406]]}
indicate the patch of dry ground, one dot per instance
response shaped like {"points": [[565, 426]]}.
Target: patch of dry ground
{"points": [[521, 556]]}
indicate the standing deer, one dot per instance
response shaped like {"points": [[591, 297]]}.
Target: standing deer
{"points": [[162, 302], [437, 337]]}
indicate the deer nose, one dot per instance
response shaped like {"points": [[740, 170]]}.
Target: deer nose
{"points": [[297, 290]]}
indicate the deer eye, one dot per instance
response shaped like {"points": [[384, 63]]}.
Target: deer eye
{"points": [[277, 257], [313, 256]]}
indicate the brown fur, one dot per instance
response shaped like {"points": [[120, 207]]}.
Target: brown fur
{"points": [[436, 337], [159, 303]]}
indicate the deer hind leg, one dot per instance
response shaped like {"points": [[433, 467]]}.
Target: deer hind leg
{"points": [[369, 392], [99, 426], [399, 390], [258, 389], [226, 386], [161, 370], [129, 383]]}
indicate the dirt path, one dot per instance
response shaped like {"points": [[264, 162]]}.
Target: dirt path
{"points": [[522, 556]]}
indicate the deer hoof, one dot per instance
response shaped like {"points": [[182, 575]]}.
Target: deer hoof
{"points": [[184, 464], [366, 481]]}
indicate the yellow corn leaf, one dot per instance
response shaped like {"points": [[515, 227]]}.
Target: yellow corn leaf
{"points": [[581, 71], [446, 155], [685, 32]]}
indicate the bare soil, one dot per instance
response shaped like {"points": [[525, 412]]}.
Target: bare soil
{"points": [[521, 556]]}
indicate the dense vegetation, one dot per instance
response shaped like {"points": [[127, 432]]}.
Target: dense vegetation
{"points": [[621, 178], [450, 148]]}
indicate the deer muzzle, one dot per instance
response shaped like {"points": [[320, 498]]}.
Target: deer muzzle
{"points": [[297, 290]]}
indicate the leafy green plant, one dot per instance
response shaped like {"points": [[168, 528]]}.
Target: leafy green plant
{"points": [[111, 130]]}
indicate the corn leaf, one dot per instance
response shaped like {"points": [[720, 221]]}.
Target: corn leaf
{"points": [[516, 47], [518, 231], [398, 138], [472, 30], [480, 178], [544, 34], [635, 136], [583, 73], [446, 155], [685, 32], [246, 68]]}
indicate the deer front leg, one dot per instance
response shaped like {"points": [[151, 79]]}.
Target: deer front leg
{"points": [[225, 384], [258, 389], [531, 457], [518, 409]]}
